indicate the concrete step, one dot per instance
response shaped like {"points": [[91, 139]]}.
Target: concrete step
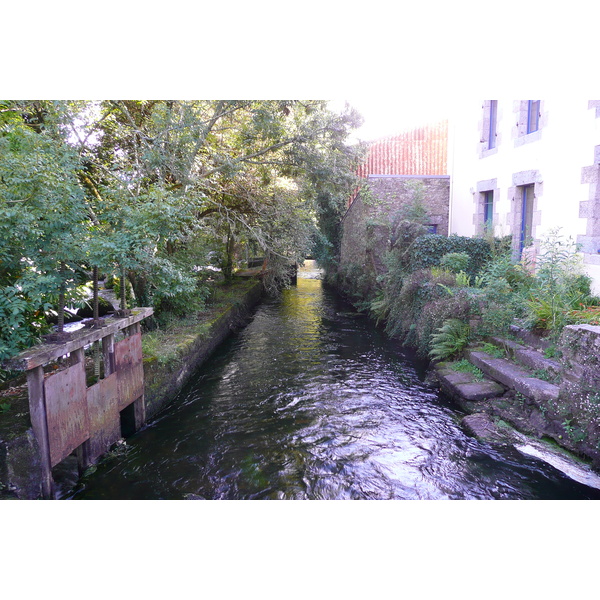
{"points": [[514, 377], [528, 357]]}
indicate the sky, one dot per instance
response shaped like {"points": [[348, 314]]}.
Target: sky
{"points": [[391, 115]]}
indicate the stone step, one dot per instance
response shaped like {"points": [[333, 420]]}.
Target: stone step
{"points": [[514, 377], [529, 338], [528, 357], [464, 386]]}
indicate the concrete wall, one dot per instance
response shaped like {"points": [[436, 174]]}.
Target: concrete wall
{"points": [[561, 160]]}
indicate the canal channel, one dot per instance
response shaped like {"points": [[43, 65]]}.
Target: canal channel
{"points": [[312, 401]]}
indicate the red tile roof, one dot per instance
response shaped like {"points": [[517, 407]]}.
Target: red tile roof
{"points": [[420, 151]]}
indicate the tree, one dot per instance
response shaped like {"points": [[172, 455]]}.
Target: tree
{"points": [[42, 223], [157, 189]]}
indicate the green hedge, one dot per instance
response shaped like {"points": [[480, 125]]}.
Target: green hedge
{"points": [[429, 249]]}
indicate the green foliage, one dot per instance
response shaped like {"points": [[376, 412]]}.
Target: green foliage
{"points": [[559, 286], [434, 314], [505, 287], [160, 189], [493, 350], [429, 249], [464, 366], [450, 340], [552, 352], [42, 229], [455, 262]]}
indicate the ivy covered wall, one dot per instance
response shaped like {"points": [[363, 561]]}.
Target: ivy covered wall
{"points": [[379, 215]]}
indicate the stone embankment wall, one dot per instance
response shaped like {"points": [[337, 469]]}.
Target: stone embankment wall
{"points": [[163, 381], [579, 394], [564, 406]]}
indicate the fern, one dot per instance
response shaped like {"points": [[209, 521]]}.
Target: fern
{"points": [[450, 339]]}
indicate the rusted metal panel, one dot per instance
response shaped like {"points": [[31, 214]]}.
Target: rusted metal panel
{"points": [[103, 410], [66, 410], [130, 370]]}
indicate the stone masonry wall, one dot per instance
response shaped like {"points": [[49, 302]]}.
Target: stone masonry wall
{"points": [[579, 395], [366, 225]]}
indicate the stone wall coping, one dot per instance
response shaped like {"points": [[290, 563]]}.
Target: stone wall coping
{"points": [[45, 353]]}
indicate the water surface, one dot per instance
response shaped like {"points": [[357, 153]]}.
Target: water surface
{"points": [[310, 401]]}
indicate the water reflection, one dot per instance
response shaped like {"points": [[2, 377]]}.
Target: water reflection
{"points": [[311, 402]]}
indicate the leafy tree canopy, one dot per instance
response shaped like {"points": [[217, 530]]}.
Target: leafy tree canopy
{"points": [[158, 189]]}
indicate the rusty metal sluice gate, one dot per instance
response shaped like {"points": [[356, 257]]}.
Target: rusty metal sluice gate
{"points": [[67, 416]]}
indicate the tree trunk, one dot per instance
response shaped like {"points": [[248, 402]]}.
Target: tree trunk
{"points": [[229, 248], [123, 300], [95, 300], [61, 300]]}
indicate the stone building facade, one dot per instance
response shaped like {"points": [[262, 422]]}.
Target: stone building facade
{"points": [[526, 168]]}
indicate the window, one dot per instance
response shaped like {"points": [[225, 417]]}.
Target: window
{"points": [[489, 135], [533, 115], [431, 228], [526, 216], [493, 118], [488, 211], [530, 122]]}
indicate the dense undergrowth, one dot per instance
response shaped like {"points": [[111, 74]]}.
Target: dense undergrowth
{"points": [[450, 291]]}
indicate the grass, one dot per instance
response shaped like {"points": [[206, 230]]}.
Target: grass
{"points": [[464, 366], [493, 350], [167, 345]]}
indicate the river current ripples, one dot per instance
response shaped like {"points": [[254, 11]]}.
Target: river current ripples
{"points": [[310, 401]]}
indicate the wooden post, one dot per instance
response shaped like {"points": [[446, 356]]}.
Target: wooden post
{"points": [[108, 349], [139, 405], [39, 423], [77, 356], [139, 412]]}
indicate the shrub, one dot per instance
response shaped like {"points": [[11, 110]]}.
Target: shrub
{"points": [[455, 262], [559, 286], [406, 304], [450, 340], [434, 314], [428, 250]]}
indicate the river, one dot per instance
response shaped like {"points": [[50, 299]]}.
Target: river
{"points": [[311, 401]]}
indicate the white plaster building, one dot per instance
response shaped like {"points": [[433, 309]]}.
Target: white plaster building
{"points": [[525, 167]]}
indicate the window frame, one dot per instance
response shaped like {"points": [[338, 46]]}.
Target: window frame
{"points": [[493, 124], [527, 205], [533, 116]]}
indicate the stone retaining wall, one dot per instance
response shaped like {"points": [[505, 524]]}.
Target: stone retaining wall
{"points": [[162, 382]]}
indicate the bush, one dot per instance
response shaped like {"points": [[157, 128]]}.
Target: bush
{"points": [[455, 262], [559, 286], [428, 250], [435, 313]]}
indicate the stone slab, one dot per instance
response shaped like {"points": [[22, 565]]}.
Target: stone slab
{"points": [[514, 377], [528, 357], [464, 385]]}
